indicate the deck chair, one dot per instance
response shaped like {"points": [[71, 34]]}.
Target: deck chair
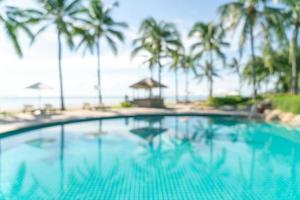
{"points": [[28, 109], [87, 106]]}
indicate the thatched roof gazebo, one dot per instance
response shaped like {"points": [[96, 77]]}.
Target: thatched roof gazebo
{"points": [[148, 84]]}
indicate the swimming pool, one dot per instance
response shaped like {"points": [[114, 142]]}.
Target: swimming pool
{"points": [[158, 157]]}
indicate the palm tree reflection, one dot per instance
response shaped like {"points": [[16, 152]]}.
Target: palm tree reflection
{"points": [[294, 169], [20, 190], [250, 135], [207, 132], [189, 137], [1, 164], [61, 158], [84, 176], [153, 155], [194, 136], [97, 135], [101, 133]]}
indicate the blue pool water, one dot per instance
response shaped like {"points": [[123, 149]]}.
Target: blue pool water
{"points": [[184, 157]]}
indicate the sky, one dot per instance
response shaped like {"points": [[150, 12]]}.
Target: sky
{"points": [[39, 63]]}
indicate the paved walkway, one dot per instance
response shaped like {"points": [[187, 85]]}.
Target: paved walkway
{"points": [[21, 121]]}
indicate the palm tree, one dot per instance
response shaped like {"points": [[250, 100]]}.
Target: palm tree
{"points": [[235, 65], [263, 73], [209, 43], [100, 24], [207, 71], [11, 18], [62, 14], [291, 16], [145, 51], [188, 62], [281, 69], [158, 39], [247, 15], [176, 57]]}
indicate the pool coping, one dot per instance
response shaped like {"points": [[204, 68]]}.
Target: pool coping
{"points": [[16, 129]]}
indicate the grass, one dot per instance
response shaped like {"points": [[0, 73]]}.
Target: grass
{"points": [[286, 103], [228, 101], [126, 105]]}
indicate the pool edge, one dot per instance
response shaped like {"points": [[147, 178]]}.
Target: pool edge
{"points": [[45, 124]]}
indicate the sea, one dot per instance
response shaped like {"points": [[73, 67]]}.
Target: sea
{"points": [[17, 103]]}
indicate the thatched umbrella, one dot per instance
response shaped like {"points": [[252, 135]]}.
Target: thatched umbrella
{"points": [[148, 84]]}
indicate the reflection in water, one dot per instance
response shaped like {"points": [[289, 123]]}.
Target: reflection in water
{"points": [[149, 128], [41, 142], [97, 136], [61, 160], [294, 169], [99, 146], [152, 158], [0, 162]]}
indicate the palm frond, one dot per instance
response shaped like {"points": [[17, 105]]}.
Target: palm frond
{"points": [[12, 34]]}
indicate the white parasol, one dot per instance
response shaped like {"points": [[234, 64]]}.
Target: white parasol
{"points": [[39, 87]]}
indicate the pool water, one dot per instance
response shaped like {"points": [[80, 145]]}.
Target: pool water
{"points": [[183, 157]]}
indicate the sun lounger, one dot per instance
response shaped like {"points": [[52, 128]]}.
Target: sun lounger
{"points": [[102, 107], [48, 108], [87, 106]]}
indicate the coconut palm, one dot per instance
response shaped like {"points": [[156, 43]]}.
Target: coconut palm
{"points": [[145, 51], [176, 58], [291, 16], [276, 68], [208, 72], [100, 24], [249, 16], [263, 73], [10, 19], [188, 62], [209, 44], [61, 14], [175, 66], [157, 39], [235, 65]]}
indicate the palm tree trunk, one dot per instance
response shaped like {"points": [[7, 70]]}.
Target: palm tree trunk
{"points": [[240, 81], [99, 73], [210, 78], [294, 48], [176, 85], [62, 102], [186, 85], [159, 78], [253, 63]]}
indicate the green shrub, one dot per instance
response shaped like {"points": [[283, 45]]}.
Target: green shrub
{"points": [[286, 103], [126, 105], [228, 100]]}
